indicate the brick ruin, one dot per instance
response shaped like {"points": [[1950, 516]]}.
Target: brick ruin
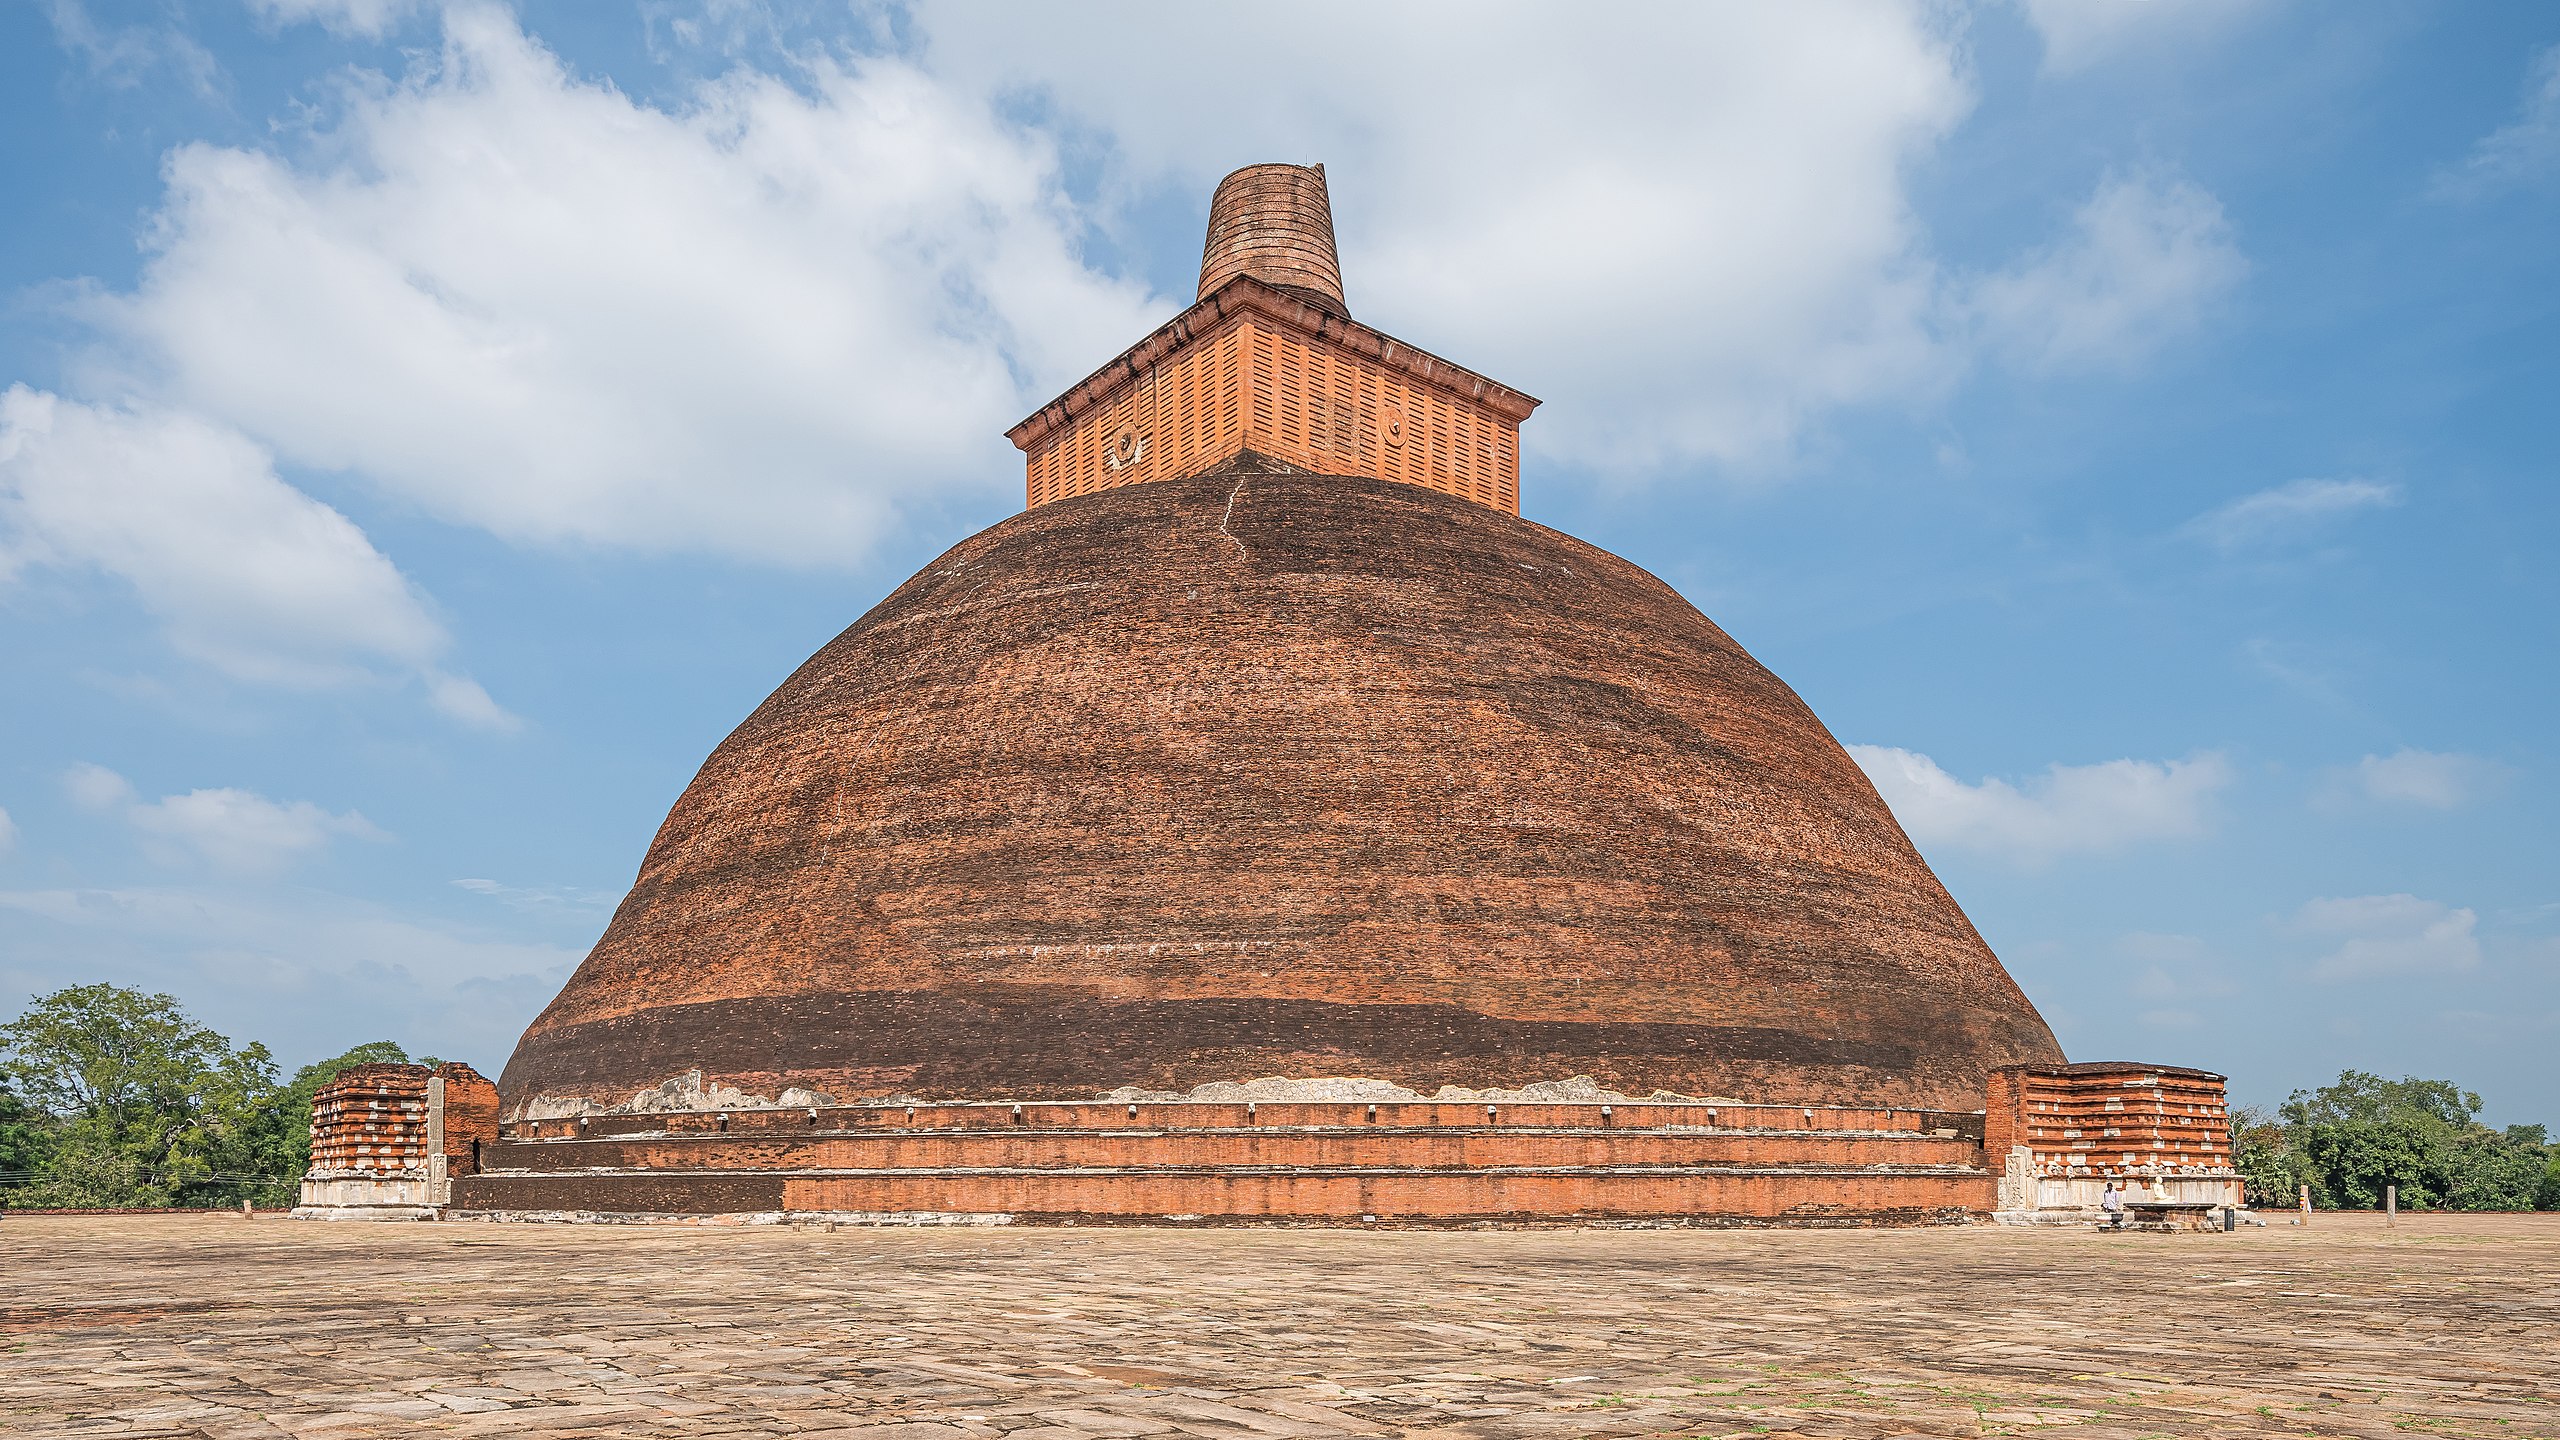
{"points": [[1270, 826], [2062, 1133], [388, 1141]]}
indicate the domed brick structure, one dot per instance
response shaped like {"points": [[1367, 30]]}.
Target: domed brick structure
{"points": [[1281, 774], [1270, 824]]}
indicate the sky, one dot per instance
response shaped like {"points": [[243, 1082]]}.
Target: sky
{"points": [[426, 430]]}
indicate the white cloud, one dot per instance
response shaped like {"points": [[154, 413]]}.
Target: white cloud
{"points": [[2428, 779], [540, 898], [245, 573], [524, 302], [2289, 511], [371, 19], [1685, 227], [8, 834], [243, 831], [310, 973], [2520, 152], [2078, 34], [97, 789], [235, 831], [2068, 808], [2390, 935], [132, 56], [2147, 255]]}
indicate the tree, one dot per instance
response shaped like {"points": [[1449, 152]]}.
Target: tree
{"points": [[2363, 1134], [2270, 1168], [142, 1103], [277, 1140], [26, 1141]]}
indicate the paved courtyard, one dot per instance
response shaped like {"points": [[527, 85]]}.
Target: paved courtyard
{"points": [[216, 1326]]}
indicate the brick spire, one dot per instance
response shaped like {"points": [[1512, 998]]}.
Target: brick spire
{"points": [[1275, 223]]}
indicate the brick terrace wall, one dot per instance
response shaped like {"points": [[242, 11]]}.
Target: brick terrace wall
{"points": [[1305, 1162], [2109, 1120], [1252, 368]]}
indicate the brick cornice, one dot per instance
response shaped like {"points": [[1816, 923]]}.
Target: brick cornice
{"points": [[1245, 296]]}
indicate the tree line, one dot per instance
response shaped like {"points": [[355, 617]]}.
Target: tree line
{"points": [[2349, 1141], [113, 1098]]}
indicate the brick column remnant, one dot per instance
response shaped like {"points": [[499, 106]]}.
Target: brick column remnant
{"points": [[1275, 223], [387, 1141]]}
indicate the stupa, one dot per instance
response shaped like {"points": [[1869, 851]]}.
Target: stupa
{"points": [[1269, 823]]}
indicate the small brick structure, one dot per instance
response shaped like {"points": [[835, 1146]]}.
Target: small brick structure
{"points": [[1270, 364], [388, 1141], [2062, 1133]]}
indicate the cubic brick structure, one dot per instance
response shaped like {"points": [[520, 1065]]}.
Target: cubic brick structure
{"points": [[1270, 825], [2062, 1133], [387, 1141], [1270, 362]]}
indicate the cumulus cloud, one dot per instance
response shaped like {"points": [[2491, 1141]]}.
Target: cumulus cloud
{"points": [[1684, 226], [2520, 152], [2289, 511], [2146, 257], [2078, 34], [2069, 808], [2380, 936], [525, 302], [771, 317], [2428, 779], [235, 831], [245, 573]]}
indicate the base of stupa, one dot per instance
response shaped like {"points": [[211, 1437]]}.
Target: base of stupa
{"points": [[1416, 1163]]}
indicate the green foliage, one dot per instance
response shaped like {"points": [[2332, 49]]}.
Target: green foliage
{"points": [[114, 1098], [145, 1105], [26, 1139], [2351, 1140], [2270, 1168]]}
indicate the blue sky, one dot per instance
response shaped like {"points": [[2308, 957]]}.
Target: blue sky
{"points": [[424, 431]]}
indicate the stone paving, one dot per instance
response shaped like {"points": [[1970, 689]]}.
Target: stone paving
{"points": [[217, 1326]]}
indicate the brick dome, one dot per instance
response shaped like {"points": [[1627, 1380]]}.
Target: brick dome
{"points": [[1253, 775]]}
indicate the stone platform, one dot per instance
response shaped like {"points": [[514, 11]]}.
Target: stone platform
{"points": [[1323, 1163], [215, 1328]]}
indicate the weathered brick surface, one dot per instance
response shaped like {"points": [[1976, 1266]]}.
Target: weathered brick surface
{"points": [[1236, 776]]}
